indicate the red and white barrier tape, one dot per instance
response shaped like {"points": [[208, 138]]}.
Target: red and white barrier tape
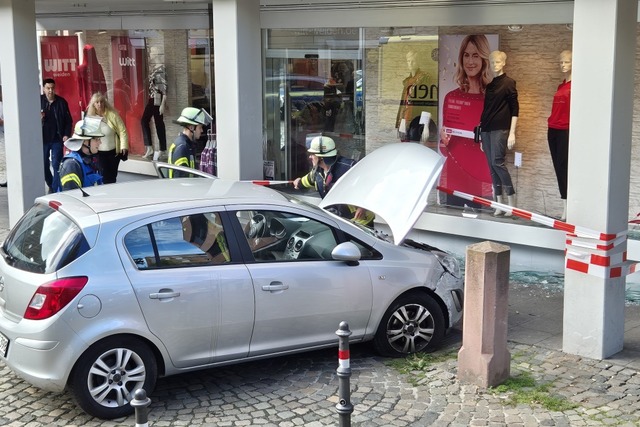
{"points": [[587, 251], [266, 183]]}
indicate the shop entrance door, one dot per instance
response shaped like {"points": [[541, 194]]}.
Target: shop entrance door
{"points": [[307, 94]]}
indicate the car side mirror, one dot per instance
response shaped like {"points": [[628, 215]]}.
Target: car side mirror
{"points": [[348, 252]]}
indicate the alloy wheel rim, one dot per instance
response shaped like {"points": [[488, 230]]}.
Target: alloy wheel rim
{"points": [[410, 328], [114, 376]]}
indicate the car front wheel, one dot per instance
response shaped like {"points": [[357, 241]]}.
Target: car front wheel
{"points": [[413, 323], [109, 372]]}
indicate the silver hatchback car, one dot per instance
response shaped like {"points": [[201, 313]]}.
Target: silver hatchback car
{"points": [[106, 289]]}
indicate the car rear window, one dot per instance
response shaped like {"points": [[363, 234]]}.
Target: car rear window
{"points": [[43, 241]]}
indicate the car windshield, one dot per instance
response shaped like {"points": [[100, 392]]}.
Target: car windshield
{"points": [[43, 241]]}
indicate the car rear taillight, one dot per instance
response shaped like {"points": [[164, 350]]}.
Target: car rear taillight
{"points": [[52, 297]]}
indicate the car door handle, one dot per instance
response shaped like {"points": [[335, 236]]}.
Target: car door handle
{"points": [[164, 294], [275, 286]]}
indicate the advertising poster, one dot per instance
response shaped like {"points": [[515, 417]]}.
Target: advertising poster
{"points": [[409, 85], [464, 73], [90, 76], [60, 62], [128, 64]]}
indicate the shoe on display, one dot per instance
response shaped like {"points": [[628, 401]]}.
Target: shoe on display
{"points": [[511, 201], [499, 212], [148, 152], [157, 155]]}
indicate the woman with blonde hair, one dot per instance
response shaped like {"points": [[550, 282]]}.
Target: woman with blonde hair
{"points": [[115, 142], [473, 76], [466, 167]]}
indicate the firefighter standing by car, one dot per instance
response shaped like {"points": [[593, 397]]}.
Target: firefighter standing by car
{"points": [[80, 167], [328, 167], [182, 151]]}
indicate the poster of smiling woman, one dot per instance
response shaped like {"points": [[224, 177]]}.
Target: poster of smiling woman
{"points": [[463, 76]]}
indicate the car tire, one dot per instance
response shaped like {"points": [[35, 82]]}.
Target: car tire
{"points": [[109, 372], [413, 323]]}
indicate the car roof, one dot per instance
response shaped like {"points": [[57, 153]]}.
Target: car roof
{"points": [[134, 194]]}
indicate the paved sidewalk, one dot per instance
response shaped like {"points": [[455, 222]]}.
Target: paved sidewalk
{"points": [[301, 390]]}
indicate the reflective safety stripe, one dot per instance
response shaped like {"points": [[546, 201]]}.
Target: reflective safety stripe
{"points": [[70, 177], [170, 156], [222, 244], [366, 220], [182, 161]]}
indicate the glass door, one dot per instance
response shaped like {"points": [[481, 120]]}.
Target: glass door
{"points": [[308, 92]]}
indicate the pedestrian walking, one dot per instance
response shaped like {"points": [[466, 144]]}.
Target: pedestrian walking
{"points": [[56, 129]]}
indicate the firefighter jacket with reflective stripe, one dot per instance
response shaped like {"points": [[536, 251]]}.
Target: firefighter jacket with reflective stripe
{"points": [[323, 183], [78, 171], [181, 153]]}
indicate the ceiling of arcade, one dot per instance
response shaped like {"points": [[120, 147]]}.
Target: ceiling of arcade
{"points": [[116, 6]]}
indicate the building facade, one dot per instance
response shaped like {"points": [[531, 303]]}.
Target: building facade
{"points": [[275, 73]]}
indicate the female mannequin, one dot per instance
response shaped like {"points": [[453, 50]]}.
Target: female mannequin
{"points": [[558, 131], [156, 104], [498, 124]]}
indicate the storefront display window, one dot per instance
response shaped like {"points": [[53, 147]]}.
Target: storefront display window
{"points": [[361, 87], [148, 75], [412, 84], [313, 85]]}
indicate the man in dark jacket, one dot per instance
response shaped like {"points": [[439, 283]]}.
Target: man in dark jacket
{"points": [[56, 129]]}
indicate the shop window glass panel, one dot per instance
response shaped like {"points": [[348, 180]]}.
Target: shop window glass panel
{"points": [[121, 63], [313, 85], [201, 72]]}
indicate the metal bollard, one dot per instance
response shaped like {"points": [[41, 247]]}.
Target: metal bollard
{"points": [[140, 403], [344, 406]]}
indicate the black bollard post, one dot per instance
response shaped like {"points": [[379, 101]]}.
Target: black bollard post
{"points": [[140, 403], [344, 406]]}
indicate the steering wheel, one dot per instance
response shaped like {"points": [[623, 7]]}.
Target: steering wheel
{"points": [[257, 226]]}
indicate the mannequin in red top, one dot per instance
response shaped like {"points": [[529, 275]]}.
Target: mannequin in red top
{"points": [[90, 77], [558, 131]]}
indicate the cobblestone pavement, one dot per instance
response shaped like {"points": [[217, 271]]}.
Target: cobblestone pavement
{"points": [[302, 390]]}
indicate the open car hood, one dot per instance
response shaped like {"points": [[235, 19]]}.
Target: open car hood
{"points": [[393, 181]]}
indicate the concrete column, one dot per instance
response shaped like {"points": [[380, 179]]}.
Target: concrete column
{"points": [[238, 76], [599, 165], [21, 90], [483, 359]]}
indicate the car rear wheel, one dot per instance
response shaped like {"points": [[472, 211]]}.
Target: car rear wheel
{"points": [[413, 323], [109, 372]]}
